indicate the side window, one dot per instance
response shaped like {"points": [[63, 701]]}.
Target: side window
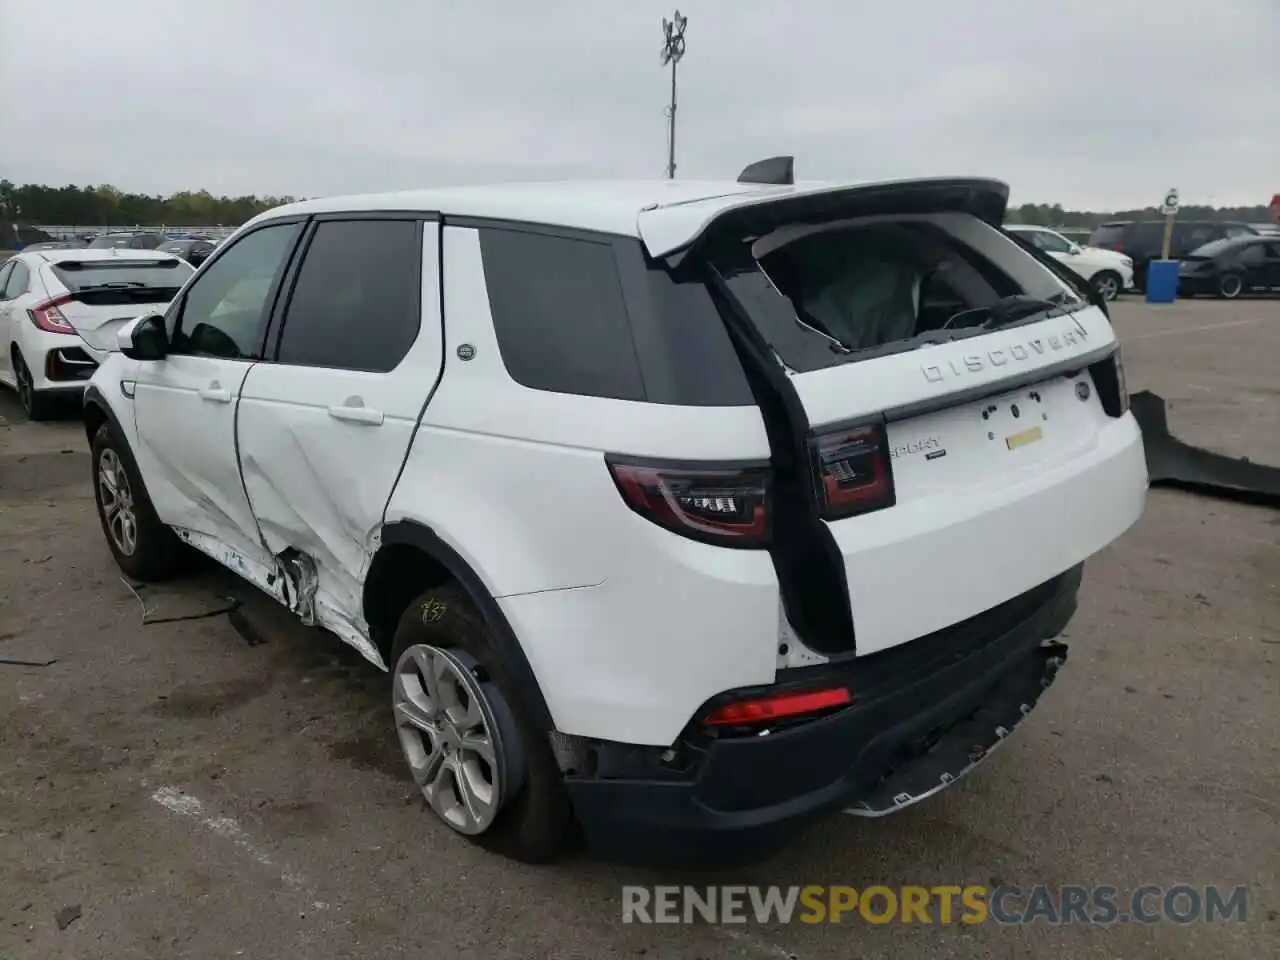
{"points": [[1051, 242], [1273, 250], [1201, 234], [225, 312], [355, 305], [16, 285], [559, 315], [1234, 231], [5, 270]]}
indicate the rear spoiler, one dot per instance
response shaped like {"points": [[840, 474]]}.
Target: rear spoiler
{"points": [[670, 230]]}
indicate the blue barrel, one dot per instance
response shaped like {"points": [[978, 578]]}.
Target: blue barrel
{"points": [[1162, 281]]}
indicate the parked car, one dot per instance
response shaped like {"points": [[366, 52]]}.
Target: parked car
{"points": [[616, 479], [144, 240], [1143, 240], [54, 245], [1231, 267], [42, 292], [194, 251], [1109, 272]]}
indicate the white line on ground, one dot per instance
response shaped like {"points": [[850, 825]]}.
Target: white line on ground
{"points": [[1210, 326], [764, 947], [185, 805]]}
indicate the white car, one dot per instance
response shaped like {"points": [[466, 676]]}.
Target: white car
{"points": [[43, 291], [616, 479], [1109, 272]]}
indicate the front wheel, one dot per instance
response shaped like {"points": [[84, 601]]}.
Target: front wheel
{"points": [[142, 545], [1107, 284], [481, 763], [1230, 286]]}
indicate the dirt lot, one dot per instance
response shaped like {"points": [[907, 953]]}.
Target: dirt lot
{"points": [[196, 796]]}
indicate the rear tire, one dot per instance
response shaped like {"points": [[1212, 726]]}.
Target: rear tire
{"points": [[535, 825], [38, 406], [1230, 286], [143, 546]]}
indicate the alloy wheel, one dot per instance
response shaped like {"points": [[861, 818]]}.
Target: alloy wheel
{"points": [[1230, 285], [1108, 287], [450, 737], [116, 497]]}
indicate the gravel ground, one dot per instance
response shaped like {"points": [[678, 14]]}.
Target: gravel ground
{"points": [[191, 795]]}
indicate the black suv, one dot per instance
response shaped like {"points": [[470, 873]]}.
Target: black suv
{"points": [[1141, 240]]}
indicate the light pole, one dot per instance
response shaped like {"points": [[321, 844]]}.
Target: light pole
{"points": [[672, 52]]}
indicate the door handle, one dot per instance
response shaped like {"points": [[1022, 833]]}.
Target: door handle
{"points": [[354, 411], [215, 394]]}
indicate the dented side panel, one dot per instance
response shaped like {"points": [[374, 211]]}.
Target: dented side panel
{"points": [[320, 452]]}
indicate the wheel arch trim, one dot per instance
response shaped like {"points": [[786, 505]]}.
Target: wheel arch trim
{"points": [[418, 535]]}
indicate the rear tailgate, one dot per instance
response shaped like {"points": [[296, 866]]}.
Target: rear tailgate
{"points": [[98, 325], [1007, 470], [997, 462]]}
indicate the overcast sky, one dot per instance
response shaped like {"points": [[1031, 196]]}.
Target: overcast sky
{"points": [[1087, 103]]}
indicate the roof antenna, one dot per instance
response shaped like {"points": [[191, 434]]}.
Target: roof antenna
{"points": [[776, 170]]}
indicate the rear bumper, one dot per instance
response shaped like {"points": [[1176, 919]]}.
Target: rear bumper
{"points": [[923, 716], [970, 548]]}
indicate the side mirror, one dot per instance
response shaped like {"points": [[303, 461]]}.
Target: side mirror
{"points": [[144, 338], [1076, 249]]}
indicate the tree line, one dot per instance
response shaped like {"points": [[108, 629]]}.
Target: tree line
{"points": [[1053, 215], [105, 205]]}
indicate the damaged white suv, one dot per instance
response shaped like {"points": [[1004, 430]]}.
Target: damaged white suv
{"points": [[616, 479]]}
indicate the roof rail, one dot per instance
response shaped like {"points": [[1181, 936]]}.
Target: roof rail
{"points": [[777, 170]]}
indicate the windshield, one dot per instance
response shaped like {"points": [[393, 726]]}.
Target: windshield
{"points": [[163, 276], [1214, 247]]}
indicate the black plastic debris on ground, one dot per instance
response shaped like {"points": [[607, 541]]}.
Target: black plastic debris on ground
{"points": [[231, 607], [67, 916], [1170, 462]]}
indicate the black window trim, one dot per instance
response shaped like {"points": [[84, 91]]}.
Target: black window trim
{"points": [[6, 268], [26, 288], [179, 304], [274, 330]]}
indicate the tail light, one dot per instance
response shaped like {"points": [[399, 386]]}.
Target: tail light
{"points": [[852, 471], [1111, 384], [779, 707], [47, 317], [722, 504]]}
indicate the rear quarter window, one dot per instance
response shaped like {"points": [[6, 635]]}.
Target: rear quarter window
{"points": [[559, 314]]}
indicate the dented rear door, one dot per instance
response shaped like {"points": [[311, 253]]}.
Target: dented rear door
{"points": [[325, 426]]}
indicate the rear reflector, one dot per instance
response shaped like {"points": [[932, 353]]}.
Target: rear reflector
{"points": [[766, 709], [47, 317], [853, 471], [726, 505]]}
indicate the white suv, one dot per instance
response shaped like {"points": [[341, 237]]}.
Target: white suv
{"points": [[616, 479], [1109, 272]]}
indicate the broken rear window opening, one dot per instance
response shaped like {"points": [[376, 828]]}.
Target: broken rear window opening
{"points": [[855, 291]]}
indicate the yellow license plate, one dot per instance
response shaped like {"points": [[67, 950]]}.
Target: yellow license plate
{"points": [[1014, 441]]}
